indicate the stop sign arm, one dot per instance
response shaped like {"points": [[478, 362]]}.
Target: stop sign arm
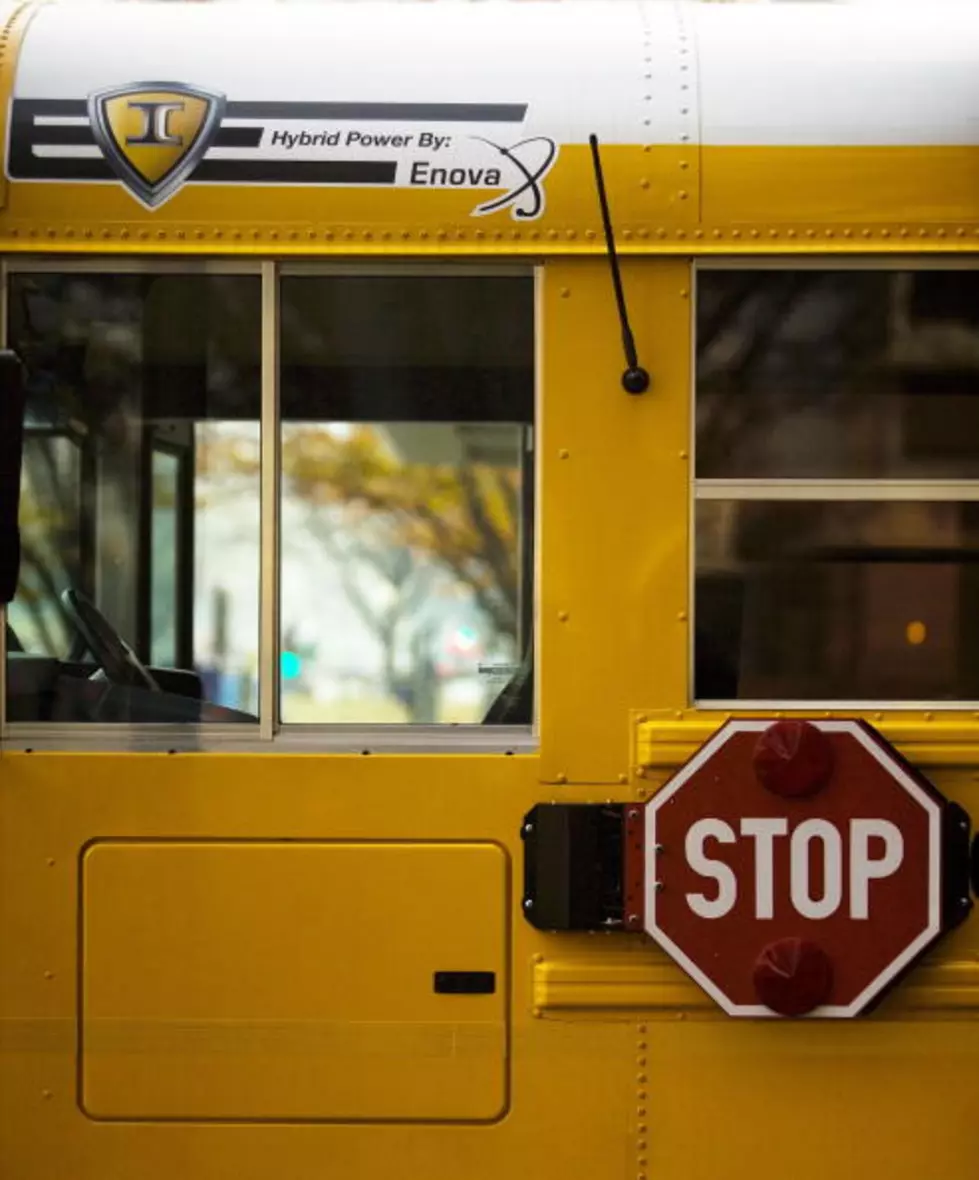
{"points": [[795, 888]]}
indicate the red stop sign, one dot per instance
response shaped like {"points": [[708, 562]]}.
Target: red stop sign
{"points": [[794, 867]]}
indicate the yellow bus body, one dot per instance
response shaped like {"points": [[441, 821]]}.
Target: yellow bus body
{"points": [[196, 948]]}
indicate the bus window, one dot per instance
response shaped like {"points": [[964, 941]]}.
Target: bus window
{"points": [[407, 481], [837, 533], [138, 598]]}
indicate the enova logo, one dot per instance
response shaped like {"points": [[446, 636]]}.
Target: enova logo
{"points": [[154, 134], [157, 136]]}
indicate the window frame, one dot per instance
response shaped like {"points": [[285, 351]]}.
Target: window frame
{"points": [[270, 734], [807, 489]]}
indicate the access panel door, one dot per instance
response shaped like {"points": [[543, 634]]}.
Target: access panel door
{"points": [[254, 980]]}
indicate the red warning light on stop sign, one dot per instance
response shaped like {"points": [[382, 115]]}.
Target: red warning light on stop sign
{"points": [[794, 868]]}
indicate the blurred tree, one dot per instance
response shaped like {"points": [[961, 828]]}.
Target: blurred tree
{"points": [[401, 524]]}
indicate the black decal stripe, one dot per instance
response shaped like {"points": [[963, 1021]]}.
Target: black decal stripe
{"points": [[296, 171], [240, 137], [59, 135], [415, 112], [24, 166], [419, 112], [54, 107]]}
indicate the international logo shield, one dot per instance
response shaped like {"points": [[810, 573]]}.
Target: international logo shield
{"points": [[154, 134]]}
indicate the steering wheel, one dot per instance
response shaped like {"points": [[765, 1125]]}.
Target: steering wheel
{"points": [[111, 651]]}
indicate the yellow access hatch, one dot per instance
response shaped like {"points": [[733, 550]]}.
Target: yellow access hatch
{"points": [[271, 981]]}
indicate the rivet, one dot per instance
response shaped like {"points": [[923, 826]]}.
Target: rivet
{"points": [[683, 194], [942, 232], [537, 957], [441, 235], [49, 975], [46, 1094], [644, 233], [960, 232], [589, 234], [537, 1014], [904, 231], [848, 233], [885, 233], [810, 233], [698, 233], [717, 233], [423, 233], [790, 233], [368, 235], [929, 716], [641, 717], [640, 772], [237, 235], [565, 292], [736, 233], [563, 453], [681, 616], [682, 455], [661, 233], [684, 138], [623, 778], [640, 1061], [681, 233], [561, 778], [867, 233], [684, 293], [406, 233], [641, 1079], [878, 716], [830, 233], [480, 234], [773, 233], [644, 183], [563, 616], [50, 862], [684, 164], [922, 233], [627, 233]]}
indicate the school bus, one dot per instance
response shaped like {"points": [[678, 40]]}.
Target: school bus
{"points": [[418, 419]]}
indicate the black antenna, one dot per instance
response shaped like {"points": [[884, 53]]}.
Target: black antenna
{"points": [[635, 379]]}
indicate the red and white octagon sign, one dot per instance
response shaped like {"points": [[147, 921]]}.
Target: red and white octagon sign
{"points": [[794, 867]]}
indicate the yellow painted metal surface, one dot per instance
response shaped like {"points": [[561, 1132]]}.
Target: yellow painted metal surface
{"points": [[571, 1096], [177, 997], [666, 200], [270, 981]]}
